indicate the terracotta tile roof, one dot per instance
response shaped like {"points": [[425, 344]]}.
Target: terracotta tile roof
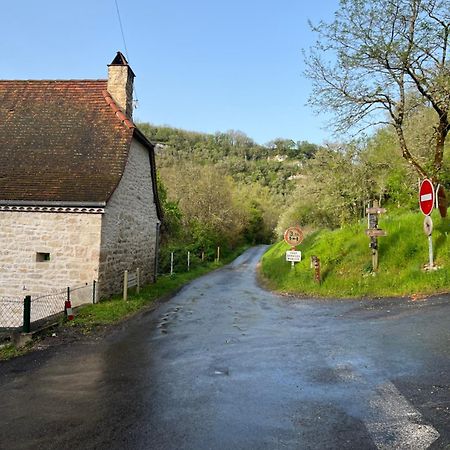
{"points": [[61, 141]]}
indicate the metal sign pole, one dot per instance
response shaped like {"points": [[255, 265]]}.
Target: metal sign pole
{"points": [[428, 229], [430, 251]]}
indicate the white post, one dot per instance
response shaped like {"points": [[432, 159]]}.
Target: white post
{"points": [[125, 285], [189, 260], [218, 254], [138, 280], [171, 263], [430, 251]]}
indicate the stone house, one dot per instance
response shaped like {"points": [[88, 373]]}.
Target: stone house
{"points": [[78, 195]]}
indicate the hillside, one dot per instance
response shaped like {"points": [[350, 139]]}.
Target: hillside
{"points": [[346, 262], [233, 153]]}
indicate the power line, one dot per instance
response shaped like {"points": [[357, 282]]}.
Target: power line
{"points": [[135, 102], [121, 30]]}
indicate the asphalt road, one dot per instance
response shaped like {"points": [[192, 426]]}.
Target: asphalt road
{"points": [[227, 365]]}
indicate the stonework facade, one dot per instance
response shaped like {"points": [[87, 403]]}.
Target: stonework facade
{"points": [[71, 241], [130, 225], [45, 252]]}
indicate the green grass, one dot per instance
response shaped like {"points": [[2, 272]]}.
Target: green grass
{"points": [[346, 261], [10, 351]]}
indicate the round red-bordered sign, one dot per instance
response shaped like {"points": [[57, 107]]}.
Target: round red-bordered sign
{"points": [[293, 236], [426, 197]]}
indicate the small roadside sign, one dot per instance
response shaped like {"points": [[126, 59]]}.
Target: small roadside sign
{"points": [[293, 256], [428, 226], [426, 197], [375, 232], [293, 236]]}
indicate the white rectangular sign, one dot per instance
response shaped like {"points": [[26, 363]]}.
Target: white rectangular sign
{"points": [[293, 256]]}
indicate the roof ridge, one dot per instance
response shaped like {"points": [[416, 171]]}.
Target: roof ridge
{"points": [[117, 111], [48, 80]]}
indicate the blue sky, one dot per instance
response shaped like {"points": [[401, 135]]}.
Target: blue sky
{"points": [[200, 65]]}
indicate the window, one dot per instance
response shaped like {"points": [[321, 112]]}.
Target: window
{"points": [[41, 257]]}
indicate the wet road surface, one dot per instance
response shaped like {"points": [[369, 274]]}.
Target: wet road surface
{"points": [[227, 365]]}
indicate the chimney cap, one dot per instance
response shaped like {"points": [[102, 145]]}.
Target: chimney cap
{"points": [[120, 60]]}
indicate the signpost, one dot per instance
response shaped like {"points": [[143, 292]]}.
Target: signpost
{"points": [[293, 236], [373, 231], [427, 202]]}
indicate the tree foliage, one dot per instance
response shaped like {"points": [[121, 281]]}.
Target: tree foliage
{"points": [[378, 62]]}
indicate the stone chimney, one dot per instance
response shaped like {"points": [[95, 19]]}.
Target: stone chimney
{"points": [[120, 84]]}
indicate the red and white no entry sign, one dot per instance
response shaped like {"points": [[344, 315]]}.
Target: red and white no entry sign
{"points": [[426, 196]]}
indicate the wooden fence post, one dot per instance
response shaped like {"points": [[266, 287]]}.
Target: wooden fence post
{"points": [[138, 280], [125, 285], [316, 264]]}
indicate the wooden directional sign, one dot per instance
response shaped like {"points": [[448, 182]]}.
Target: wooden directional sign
{"points": [[293, 236], [376, 210], [375, 232], [426, 197]]}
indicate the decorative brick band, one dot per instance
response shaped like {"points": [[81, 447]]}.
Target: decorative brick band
{"points": [[52, 209]]}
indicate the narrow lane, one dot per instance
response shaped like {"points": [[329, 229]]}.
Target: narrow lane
{"points": [[227, 365]]}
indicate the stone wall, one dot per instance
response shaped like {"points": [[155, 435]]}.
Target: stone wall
{"points": [[129, 226], [72, 241]]}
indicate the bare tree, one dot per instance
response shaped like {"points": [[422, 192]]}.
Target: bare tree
{"points": [[379, 61]]}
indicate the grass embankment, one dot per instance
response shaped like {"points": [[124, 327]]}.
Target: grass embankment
{"points": [[346, 260]]}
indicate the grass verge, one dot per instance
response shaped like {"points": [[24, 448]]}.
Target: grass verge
{"points": [[11, 351], [346, 261]]}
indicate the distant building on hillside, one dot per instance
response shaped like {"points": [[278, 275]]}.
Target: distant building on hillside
{"points": [[78, 194], [278, 158]]}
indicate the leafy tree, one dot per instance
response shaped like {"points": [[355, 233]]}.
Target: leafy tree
{"points": [[333, 190], [172, 217], [388, 57]]}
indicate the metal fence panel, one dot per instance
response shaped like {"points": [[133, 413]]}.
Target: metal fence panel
{"points": [[11, 312], [43, 307]]}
